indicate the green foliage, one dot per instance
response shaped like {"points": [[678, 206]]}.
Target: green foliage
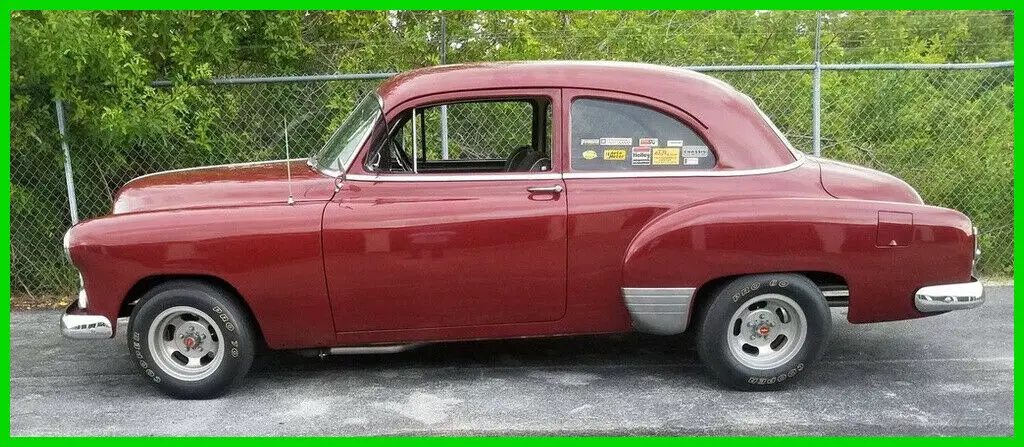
{"points": [[949, 134]]}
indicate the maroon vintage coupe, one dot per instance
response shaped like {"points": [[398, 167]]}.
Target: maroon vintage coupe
{"points": [[518, 200]]}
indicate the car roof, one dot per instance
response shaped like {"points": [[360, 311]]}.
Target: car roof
{"points": [[733, 124], [627, 77]]}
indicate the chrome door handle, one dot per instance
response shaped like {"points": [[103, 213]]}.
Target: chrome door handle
{"points": [[557, 189]]}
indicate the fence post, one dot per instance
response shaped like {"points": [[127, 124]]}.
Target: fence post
{"points": [[68, 178], [444, 108], [816, 90]]}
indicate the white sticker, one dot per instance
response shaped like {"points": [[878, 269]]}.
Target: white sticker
{"points": [[616, 141], [695, 151], [641, 156], [590, 142], [675, 143], [648, 142], [690, 161]]}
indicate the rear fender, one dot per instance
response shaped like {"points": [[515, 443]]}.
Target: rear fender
{"points": [[684, 249]]}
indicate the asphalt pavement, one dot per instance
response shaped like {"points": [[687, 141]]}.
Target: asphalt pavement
{"points": [[945, 375]]}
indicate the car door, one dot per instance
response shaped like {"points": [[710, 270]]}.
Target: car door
{"points": [[627, 161], [449, 240]]}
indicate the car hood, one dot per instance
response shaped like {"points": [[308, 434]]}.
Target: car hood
{"points": [[227, 185]]}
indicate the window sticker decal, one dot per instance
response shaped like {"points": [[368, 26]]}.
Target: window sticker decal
{"points": [[615, 154], [695, 151], [664, 156], [627, 137], [641, 156], [614, 141]]}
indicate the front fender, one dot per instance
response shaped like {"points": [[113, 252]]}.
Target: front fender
{"points": [[270, 254]]}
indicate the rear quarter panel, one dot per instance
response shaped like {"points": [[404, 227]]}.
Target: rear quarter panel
{"points": [[693, 245]]}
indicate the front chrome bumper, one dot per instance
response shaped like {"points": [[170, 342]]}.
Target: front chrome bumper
{"points": [[946, 297], [80, 326]]}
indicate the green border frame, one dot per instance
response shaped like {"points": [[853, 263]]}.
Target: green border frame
{"points": [[464, 4]]}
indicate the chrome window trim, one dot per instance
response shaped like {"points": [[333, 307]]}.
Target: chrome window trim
{"points": [[657, 174], [451, 177], [346, 164], [566, 176]]}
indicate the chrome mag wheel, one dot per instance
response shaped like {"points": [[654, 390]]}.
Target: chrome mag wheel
{"points": [[186, 343], [767, 331]]}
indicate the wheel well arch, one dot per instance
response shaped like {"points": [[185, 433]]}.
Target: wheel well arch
{"points": [[148, 283], [702, 296]]}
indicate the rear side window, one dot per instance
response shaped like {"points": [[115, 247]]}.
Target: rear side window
{"points": [[618, 136]]}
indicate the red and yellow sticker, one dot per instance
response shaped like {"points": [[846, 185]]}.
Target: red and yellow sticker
{"points": [[665, 156]]}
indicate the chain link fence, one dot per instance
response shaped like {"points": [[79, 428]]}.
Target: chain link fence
{"points": [[914, 124]]}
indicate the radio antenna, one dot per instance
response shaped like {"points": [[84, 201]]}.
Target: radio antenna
{"points": [[288, 163]]}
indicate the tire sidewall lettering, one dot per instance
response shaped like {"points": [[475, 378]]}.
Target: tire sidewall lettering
{"points": [[139, 346], [135, 346], [756, 285], [777, 378]]}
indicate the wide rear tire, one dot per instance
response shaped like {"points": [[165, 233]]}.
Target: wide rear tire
{"points": [[761, 332]]}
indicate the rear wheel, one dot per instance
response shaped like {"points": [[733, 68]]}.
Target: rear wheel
{"points": [[190, 339], [761, 331]]}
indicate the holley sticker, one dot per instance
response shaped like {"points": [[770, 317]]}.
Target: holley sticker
{"points": [[616, 141], [665, 156], [641, 156]]}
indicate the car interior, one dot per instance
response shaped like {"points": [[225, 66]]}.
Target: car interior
{"points": [[491, 136]]}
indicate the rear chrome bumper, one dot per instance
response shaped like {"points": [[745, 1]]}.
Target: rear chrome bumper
{"points": [[946, 297], [81, 326]]}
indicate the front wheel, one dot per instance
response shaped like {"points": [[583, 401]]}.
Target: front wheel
{"points": [[190, 339], [761, 331]]}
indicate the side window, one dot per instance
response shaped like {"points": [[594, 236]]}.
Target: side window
{"points": [[618, 136], [469, 137]]}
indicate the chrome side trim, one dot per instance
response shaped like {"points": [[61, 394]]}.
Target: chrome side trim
{"points": [[450, 177], [655, 174], [374, 349], [570, 175], [659, 310], [85, 327], [836, 293], [226, 165], [946, 297]]}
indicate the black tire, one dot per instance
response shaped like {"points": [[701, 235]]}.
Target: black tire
{"points": [[717, 329], [233, 337]]}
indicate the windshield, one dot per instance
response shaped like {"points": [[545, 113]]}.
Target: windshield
{"points": [[336, 155]]}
